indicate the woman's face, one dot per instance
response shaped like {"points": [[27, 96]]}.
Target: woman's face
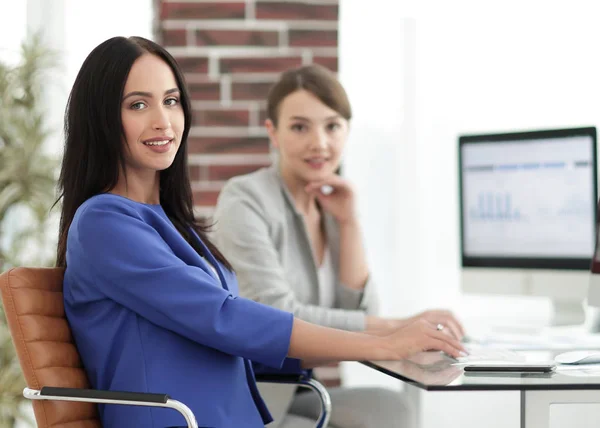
{"points": [[152, 116], [309, 135]]}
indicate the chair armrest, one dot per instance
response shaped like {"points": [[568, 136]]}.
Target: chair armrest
{"points": [[143, 397], [305, 382], [279, 378], [112, 397]]}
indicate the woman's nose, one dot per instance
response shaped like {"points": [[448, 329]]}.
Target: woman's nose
{"points": [[320, 141], [161, 119]]}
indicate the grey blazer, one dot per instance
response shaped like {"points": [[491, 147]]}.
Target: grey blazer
{"points": [[264, 237]]}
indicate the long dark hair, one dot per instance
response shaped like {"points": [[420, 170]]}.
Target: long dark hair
{"points": [[94, 152]]}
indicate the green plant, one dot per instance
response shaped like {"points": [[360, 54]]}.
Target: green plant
{"points": [[27, 192]]}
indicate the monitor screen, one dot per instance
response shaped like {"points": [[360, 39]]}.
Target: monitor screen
{"points": [[594, 285], [528, 199]]}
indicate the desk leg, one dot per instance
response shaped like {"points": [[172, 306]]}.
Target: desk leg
{"points": [[535, 405], [414, 398]]}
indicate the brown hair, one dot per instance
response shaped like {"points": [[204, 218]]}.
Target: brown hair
{"points": [[317, 80]]}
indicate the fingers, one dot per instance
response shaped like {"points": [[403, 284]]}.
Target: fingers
{"points": [[450, 340], [448, 348], [422, 335], [442, 342], [431, 330], [334, 181], [457, 326], [447, 319], [453, 328]]}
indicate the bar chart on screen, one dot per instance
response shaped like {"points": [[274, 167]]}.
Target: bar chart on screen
{"points": [[527, 203]]}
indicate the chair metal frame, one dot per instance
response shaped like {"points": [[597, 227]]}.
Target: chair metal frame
{"points": [[163, 400]]}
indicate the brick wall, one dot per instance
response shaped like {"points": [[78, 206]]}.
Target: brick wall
{"points": [[231, 53]]}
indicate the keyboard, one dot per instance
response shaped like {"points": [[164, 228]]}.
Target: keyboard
{"points": [[488, 354]]}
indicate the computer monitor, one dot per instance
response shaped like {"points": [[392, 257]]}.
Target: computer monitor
{"points": [[594, 289], [528, 215]]}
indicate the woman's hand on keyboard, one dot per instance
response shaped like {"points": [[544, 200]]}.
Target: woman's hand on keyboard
{"points": [[452, 325], [421, 335]]}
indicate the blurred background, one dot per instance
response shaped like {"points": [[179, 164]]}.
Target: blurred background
{"points": [[418, 74]]}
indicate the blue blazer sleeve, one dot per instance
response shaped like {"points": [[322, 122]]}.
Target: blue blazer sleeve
{"points": [[132, 265]]}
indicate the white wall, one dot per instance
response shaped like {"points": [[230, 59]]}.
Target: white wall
{"points": [[416, 81], [416, 84], [13, 18], [493, 74], [89, 23]]}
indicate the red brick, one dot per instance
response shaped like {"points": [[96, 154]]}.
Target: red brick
{"points": [[206, 91], [194, 172], [212, 10], [221, 117], [174, 37], [254, 65], [236, 38], [307, 38], [225, 172], [290, 10], [331, 62], [205, 197], [250, 91], [193, 64], [211, 145]]}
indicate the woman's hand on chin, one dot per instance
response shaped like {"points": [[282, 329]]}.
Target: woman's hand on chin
{"points": [[336, 196]]}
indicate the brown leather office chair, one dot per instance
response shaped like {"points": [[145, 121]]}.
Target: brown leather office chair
{"points": [[56, 380]]}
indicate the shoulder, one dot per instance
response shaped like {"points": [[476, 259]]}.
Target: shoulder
{"points": [[260, 189], [110, 202], [106, 213], [110, 224], [254, 183], [103, 206]]}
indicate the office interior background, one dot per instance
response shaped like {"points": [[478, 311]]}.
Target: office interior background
{"points": [[418, 75]]}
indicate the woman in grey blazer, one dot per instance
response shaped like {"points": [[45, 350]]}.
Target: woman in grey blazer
{"points": [[290, 232]]}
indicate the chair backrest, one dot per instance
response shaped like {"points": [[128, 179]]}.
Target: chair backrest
{"points": [[33, 303]]}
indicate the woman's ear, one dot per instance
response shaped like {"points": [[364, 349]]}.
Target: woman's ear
{"points": [[272, 131]]}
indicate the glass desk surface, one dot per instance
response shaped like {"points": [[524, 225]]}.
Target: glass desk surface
{"points": [[434, 371]]}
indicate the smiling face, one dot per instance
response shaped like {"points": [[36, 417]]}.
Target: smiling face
{"points": [[152, 116], [310, 137]]}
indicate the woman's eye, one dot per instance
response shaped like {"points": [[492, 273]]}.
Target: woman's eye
{"points": [[333, 126], [171, 101], [138, 106], [298, 127]]}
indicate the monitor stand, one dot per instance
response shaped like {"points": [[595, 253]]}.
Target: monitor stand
{"points": [[567, 312], [593, 315]]}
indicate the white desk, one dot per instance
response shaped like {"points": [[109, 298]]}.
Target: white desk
{"points": [[539, 394]]}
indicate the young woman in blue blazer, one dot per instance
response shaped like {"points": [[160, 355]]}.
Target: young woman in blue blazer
{"points": [[152, 303]]}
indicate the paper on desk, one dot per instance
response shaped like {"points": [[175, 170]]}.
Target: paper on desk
{"points": [[556, 342]]}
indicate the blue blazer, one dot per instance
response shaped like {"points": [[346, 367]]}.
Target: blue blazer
{"points": [[149, 315]]}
